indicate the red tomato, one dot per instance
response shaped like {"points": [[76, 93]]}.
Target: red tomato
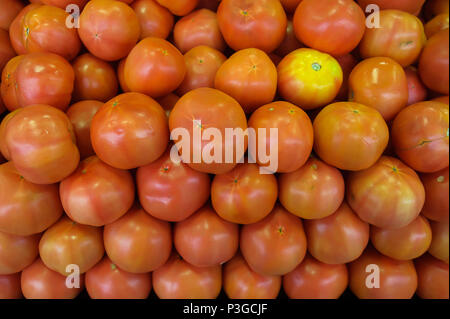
{"points": [[168, 102], [163, 185], [198, 28], [155, 20], [276, 245], [129, 131], [3, 125], [206, 240], [64, 3], [290, 42], [10, 286], [250, 77], [438, 23], [6, 50], [179, 7], [436, 195], [347, 63], [208, 4], [411, 6], [26, 208], [436, 7], [417, 92], [121, 76], [17, 252], [9, 9], [107, 281], [315, 280], [109, 29], [138, 242], [290, 5], [432, 277], [420, 136], [252, 24], [442, 99], [439, 245], [354, 146], [179, 280]]}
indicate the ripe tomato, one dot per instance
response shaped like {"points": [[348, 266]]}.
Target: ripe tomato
{"points": [[432, 278], [436, 195], [179, 7], [65, 242], [442, 99], [198, 28], [435, 7], [240, 282], [387, 92], [129, 131], [40, 282], [309, 78], [290, 42], [109, 29], [107, 281], [438, 23], [121, 76], [401, 36], [138, 242], [252, 24], [439, 245], [6, 50], [154, 19], [149, 66], [313, 279], [290, 5], [64, 3], [10, 286], [275, 245], [163, 185], [205, 239], [168, 102], [347, 63], [420, 136], [316, 190], [9, 9], [250, 77], [179, 280], [17, 252], [354, 146], [417, 92], [202, 64], [411, 6]]}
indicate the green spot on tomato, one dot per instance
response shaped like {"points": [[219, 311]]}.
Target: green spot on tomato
{"points": [[440, 179], [316, 66]]}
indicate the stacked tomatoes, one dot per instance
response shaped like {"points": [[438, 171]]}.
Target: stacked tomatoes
{"points": [[94, 92]]}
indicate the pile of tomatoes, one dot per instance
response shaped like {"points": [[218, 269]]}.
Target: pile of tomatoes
{"points": [[91, 198]]}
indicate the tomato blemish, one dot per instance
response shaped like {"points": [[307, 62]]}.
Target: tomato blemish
{"points": [[316, 66]]}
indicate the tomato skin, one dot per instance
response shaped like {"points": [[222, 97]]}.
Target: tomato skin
{"points": [[347, 63], [290, 42], [438, 23], [40, 282], [432, 278], [275, 245], [155, 20], [410, 6], [240, 282], [243, 22], [290, 5], [9, 9], [10, 286], [420, 136], [107, 281], [313, 279], [439, 245], [436, 196], [417, 92], [435, 7], [6, 51], [250, 77], [138, 242], [17, 252], [64, 3], [401, 36], [442, 99], [309, 78], [121, 76], [123, 137], [179, 7]]}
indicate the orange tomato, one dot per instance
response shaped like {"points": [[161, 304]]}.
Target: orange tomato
{"points": [[154, 19], [410, 6], [179, 7], [347, 63], [438, 23], [64, 3], [439, 245], [10, 286], [432, 278], [9, 9], [6, 51], [290, 42], [436, 195], [17, 252], [435, 7], [417, 92]]}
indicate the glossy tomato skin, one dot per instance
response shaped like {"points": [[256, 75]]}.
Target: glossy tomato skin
{"points": [[121, 76], [155, 20], [250, 77], [179, 7], [432, 278], [436, 195], [129, 131], [9, 9], [347, 63], [316, 190], [309, 78], [10, 286], [40, 282], [276, 245], [109, 29], [410, 6], [355, 146], [438, 23], [138, 242], [6, 50], [334, 27], [17, 252], [244, 22], [313, 279], [439, 245], [420, 136], [240, 282], [417, 92], [290, 42], [107, 281]]}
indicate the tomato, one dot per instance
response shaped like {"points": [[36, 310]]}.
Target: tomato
{"points": [[401, 36], [208, 108], [334, 27], [208, 4], [9, 9], [198, 28], [129, 131], [109, 29], [252, 24], [313, 279], [309, 78], [138, 242], [438, 23], [179, 280], [347, 63], [435, 7], [436, 195], [40, 282], [168, 102], [240, 282], [387, 92], [6, 50], [420, 136], [410, 6], [205, 239], [107, 281], [442, 99], [432, 278], [250, 77], [179, 7], [433, 64], [64, 3], [439, 245], [290, 42], [148, 66], [65, 242], [17, 252], [163, 185], [94, 79], [121, 76], [290, 5], [37, 78], [354, 146], [417, 92], [275, 245], [316, 190], [202, 64], [155, 20], [10, 286]]}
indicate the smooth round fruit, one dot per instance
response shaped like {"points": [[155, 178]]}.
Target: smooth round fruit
{"points": [[9, 10], [432, 278], [10, 286], [347, 63], [438, 23], [290, 42], [411, 6], [6, 50], [439, 245], [179, 7], [154, 19], [417, 92], [17, 252], [436, 195]]}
